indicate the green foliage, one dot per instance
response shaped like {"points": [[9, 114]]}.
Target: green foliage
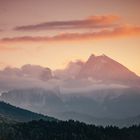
{"points": [[65, 130]]}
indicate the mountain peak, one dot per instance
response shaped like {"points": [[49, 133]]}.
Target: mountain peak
{"points": [[103, 55], [100, 59], [92, 56], [105, 68]]}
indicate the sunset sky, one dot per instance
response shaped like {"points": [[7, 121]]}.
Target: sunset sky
{"points": [[53, 32]]}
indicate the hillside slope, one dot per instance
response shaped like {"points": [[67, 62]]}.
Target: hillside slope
{"points": [[10, 112]]}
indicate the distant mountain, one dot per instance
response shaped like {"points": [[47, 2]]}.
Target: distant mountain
{"points": [[96, 70], [106, 103], [126, 122], [104, 69], [34, 99], [99, 87], [9, 112], [71, 70]]}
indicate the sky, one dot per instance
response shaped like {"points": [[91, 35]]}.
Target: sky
{"points": [[53, 32]]}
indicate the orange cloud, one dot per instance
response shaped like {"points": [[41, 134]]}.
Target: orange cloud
{"points": [[123, 31], [90, 22], [127, 31], [104, 19]]}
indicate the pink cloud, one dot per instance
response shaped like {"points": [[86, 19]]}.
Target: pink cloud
{"points": [[90, 22], [123, 31]]}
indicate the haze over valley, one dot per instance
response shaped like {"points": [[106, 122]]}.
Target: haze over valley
{"points": [[99, 88]]}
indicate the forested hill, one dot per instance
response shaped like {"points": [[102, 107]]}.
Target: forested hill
{"points": [[9, 112], [69, 130]]}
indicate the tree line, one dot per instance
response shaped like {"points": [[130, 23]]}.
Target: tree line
{"points": [[65, 130]]}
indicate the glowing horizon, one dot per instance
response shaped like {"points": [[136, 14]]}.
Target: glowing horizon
{"points": [[52, 33]]}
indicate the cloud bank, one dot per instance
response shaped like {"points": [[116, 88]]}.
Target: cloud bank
{"points": [[90, 22], [122, 31]]}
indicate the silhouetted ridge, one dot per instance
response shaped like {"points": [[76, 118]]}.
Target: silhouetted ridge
{"points": [[11, 112]]}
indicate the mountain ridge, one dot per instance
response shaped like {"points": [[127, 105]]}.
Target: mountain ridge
{"points": [[99, 68], [105, 68], [12, 113]]}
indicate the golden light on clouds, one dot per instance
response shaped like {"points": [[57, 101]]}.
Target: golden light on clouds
{"points": [[45, 33]]}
